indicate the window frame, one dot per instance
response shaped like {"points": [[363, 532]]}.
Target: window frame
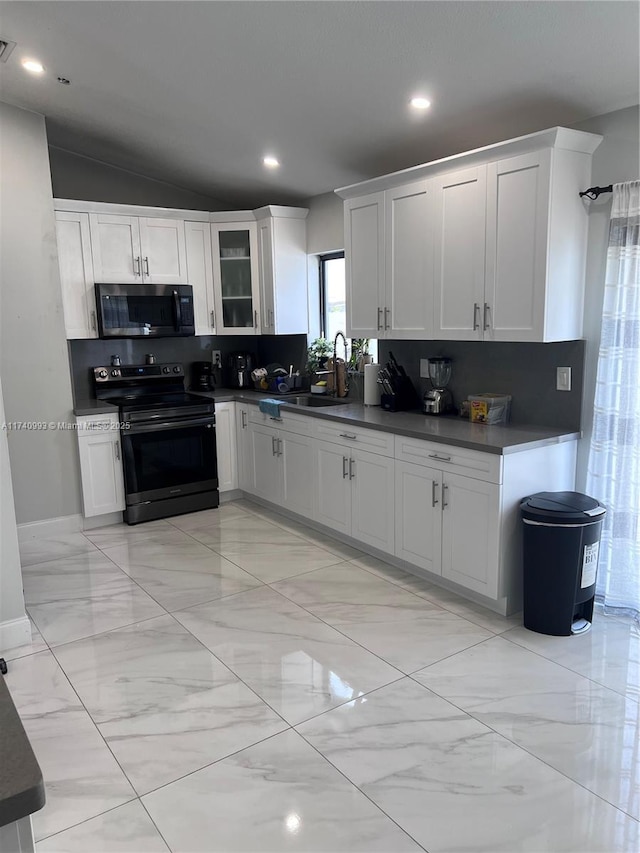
{"points": [[327, 256]]}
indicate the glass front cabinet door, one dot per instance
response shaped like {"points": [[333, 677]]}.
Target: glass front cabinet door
{"points": [[235, 274]]}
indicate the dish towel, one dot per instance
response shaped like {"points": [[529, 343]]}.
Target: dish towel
{"points": [[270, 407]]}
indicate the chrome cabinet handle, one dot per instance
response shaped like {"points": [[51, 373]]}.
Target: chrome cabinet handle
{"points": [[439, 458], [116, 447], [352, 465], [273, 446], [349, 435], [476, 308], [93, 321], [380, 326], [146, 266], [271, 321], [486, 325], [387, 311], [136, 268], [345, 471], [434, 488], [243, 415], [279, 445], [444, 494], [213, 319], [255, 319]]}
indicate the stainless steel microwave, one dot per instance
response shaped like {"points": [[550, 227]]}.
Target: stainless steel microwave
{"points": [[144, 310]]}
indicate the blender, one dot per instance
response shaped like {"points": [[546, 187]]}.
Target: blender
{"points": [[437, 400]]}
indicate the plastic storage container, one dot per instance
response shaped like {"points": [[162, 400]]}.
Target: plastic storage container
{"points": [[489, 408], [561, 541]]}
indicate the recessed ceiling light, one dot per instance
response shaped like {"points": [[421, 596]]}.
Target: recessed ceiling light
{"points": [[420, 103], [33, 66], [271, 162]]}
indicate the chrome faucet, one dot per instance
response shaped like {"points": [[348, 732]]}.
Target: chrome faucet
{"points": [[335, 364]]}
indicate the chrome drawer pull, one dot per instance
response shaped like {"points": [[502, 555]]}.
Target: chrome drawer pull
{"points": [[349, 435], [439, 458]]}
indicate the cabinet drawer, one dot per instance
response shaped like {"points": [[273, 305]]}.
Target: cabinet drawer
{"points": [[88, 425], [444, 457], [348, 436], [298, 424]]}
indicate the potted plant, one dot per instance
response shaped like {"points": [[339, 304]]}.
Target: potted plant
{"points": [[317, 353], [359, 354]]}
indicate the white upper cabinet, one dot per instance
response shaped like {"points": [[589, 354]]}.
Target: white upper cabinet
{"points": [[364, 268], [499, 232], [200, 275], [282, 260], [131, 249], [459, 205], [76, 274], [407, 311], [235, 277]]}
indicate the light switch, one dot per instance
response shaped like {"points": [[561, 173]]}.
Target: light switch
{"points": [[563, 379]]}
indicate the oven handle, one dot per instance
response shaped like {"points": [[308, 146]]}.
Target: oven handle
{"points": [[177, 310], [136, 429]]}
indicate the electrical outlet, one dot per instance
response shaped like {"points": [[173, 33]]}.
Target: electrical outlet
{"points": [[216, 358], [424, 368], [563, 379]]}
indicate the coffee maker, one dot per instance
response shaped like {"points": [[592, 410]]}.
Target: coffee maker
{"points": [[203, 378], [239, 367], [438, 400]]}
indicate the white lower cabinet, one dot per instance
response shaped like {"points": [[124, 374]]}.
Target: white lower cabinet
{"points": [[418, 515], [243, 445], [354, 494], [280, 467], [100, 465], [226, 446]]}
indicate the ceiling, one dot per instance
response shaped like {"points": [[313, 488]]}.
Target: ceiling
{"points": [[195, 93]]}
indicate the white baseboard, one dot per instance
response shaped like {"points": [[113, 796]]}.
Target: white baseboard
{"points": [[15, 632], [50, 527], [105, 520]]}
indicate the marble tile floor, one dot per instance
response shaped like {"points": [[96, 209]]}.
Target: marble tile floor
{"points": [[231, 680]]}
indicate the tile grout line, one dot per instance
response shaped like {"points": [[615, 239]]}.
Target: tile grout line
{"points": [[471, 715]]}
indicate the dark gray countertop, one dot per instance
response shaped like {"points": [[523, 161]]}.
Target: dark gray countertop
{"points": [[21, 785], [443, 430]]}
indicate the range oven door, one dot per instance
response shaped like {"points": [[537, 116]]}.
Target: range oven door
{"points": [[144, 310], [169, 459]]}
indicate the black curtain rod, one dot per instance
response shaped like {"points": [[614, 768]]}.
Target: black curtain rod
{"points": [[594, 192]]}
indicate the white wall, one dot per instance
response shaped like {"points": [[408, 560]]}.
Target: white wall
{"points": [[78, 177], [33, 350], [14, 625], [615, 161]]}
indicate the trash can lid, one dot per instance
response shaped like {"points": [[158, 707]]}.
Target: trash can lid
{"points": [[562, 507]]}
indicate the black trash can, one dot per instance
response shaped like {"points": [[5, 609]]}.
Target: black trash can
{"points": [[561, 540]]}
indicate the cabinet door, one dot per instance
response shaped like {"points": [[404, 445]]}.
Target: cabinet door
{"points": [[164, 255], [517, 229], [267, 280], [408, 305], [226, 446], [235, 278], [115, 244], [459, 201], [333, 489], [266, 474], [372, 497], [470, 531], [243, 442], [200, 275], [364, 265], [289, 292], [418, 513], [101, 473], [76, 274], [298, 473]]}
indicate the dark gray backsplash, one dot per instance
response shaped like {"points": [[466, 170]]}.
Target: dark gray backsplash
{"points": [[87, 354], [526, 371]]}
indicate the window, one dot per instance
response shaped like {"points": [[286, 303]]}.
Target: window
{"points": [[333, 309]]}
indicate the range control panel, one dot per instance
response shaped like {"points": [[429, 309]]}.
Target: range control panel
{"points": [[104, 375]]}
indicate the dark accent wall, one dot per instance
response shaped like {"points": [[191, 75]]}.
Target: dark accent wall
{"points": [[526, 371], [84, 355]]}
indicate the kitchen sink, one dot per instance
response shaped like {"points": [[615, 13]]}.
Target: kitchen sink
{"points": [[315, 401]]}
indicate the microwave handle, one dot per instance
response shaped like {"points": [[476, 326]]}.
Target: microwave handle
{"points": [[177, 310]]}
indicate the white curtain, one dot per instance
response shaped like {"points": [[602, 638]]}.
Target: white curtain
{"points": [[614, 459]]}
